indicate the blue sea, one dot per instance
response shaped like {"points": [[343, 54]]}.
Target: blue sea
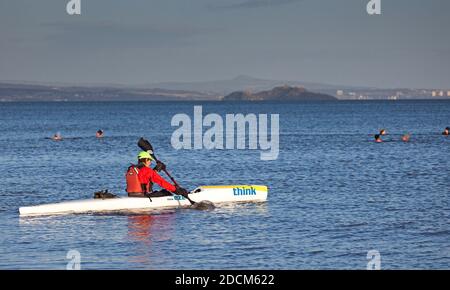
{"points": [[334, 194]]}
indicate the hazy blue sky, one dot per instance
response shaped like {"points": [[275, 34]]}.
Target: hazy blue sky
{"points": [[142, 41]]}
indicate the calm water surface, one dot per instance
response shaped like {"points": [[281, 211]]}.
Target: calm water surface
{"points": [[333, 193]]}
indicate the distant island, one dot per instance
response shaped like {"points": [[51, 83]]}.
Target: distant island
{"points": [[281, 93]]}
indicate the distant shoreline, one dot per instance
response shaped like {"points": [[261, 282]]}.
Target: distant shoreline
{"points": [[222, 101], [214, 91]]}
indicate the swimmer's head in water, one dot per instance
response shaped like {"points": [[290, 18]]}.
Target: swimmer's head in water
{"points": [[382, 131], [377, 137], [57, 136]]}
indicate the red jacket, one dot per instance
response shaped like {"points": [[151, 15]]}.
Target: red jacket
{"points": [[147, 175]]}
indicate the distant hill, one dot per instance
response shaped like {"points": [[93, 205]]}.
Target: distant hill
{"points": [[242, 83], [282, 93]]}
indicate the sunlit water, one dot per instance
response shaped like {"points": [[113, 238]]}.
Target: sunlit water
{"points": [[333, 193]]}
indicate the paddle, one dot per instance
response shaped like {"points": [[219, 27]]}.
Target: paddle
{"points": [[146, 146]]}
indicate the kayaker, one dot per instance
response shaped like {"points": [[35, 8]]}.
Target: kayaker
{"points": [[378, 138], [99, 134], [446, 131], [140, 179]]}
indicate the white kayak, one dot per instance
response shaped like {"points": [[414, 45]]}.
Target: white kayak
{"points": [[215, 194]]}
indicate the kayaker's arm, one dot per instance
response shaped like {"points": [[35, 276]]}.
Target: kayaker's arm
{"points": [[156, 178]]}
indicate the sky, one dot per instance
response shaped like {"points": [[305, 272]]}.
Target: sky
{"points": [[148, 41]]}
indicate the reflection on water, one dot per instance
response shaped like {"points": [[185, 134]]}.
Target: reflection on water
{"points": [[139, 228], [148, 231]]}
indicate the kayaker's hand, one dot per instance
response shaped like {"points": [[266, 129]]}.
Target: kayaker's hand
{"points": [[159, 166], [181, 191]]}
